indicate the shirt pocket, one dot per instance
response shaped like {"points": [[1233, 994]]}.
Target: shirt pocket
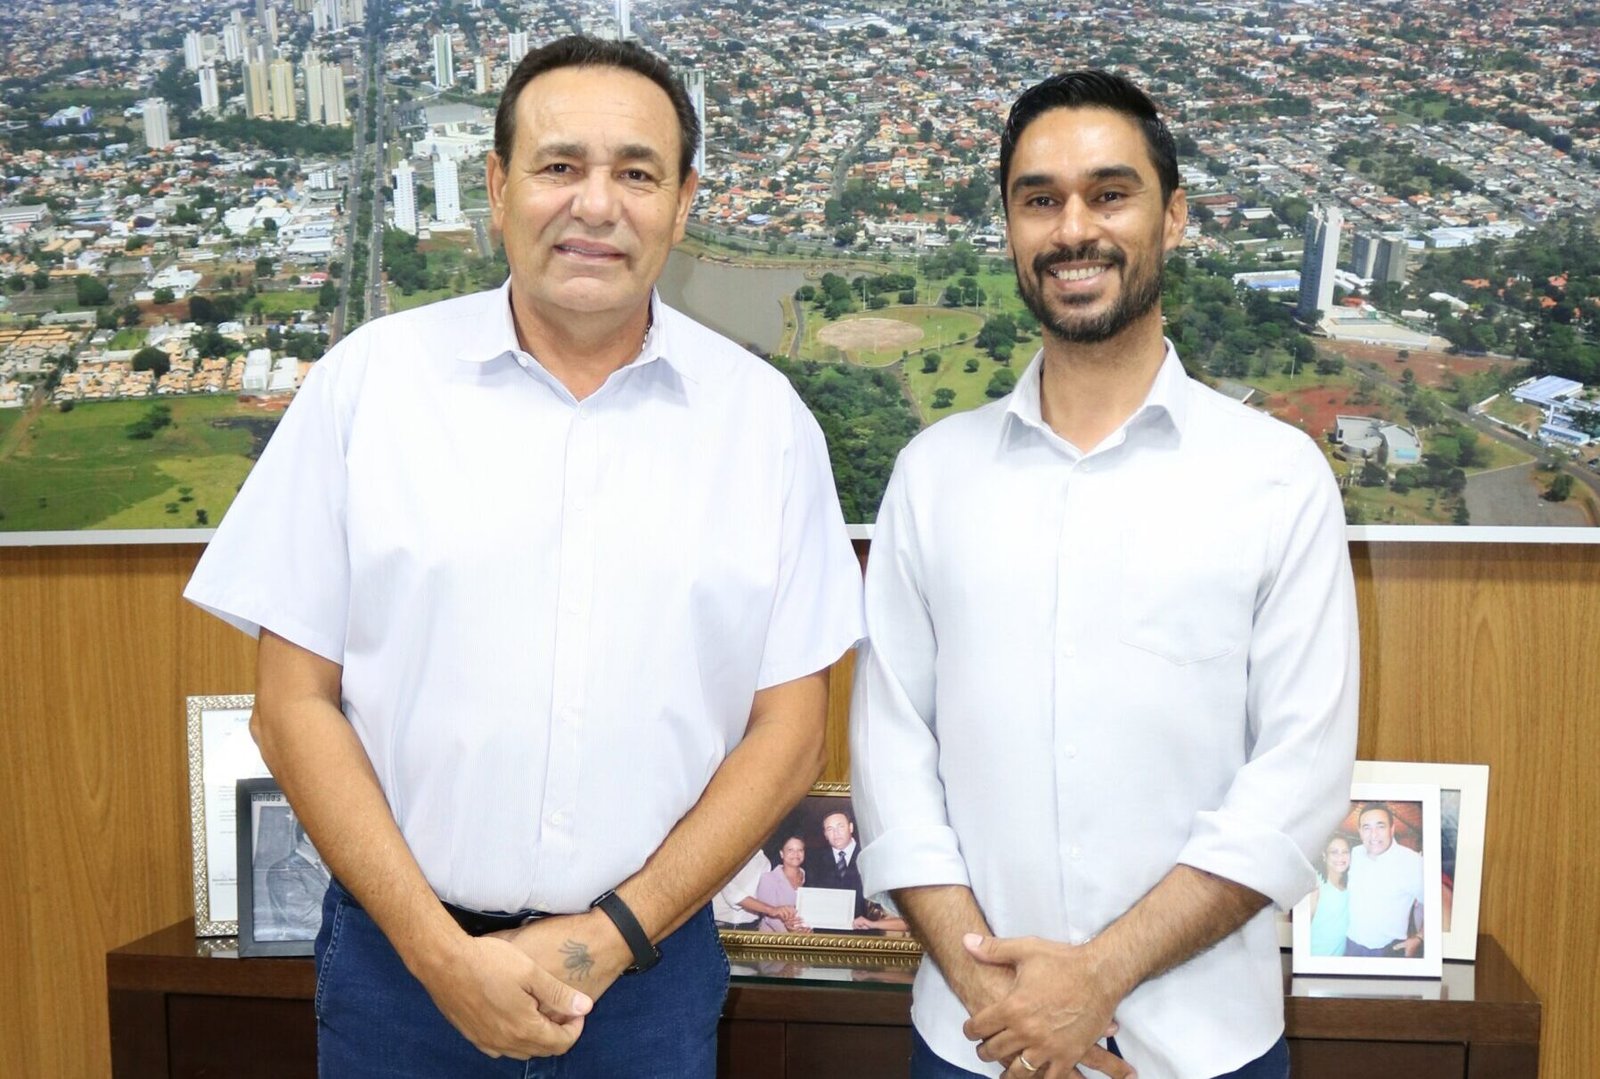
{"points": [[1187, 594]]}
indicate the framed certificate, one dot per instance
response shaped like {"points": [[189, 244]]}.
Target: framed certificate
{"points": [[221, 752]]}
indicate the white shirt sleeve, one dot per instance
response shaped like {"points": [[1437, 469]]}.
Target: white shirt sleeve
{"points": [[894, 771], [816, 614], [1301, 703], [279, 558], [741, 887]]}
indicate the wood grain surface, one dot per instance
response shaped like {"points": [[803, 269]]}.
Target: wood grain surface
{"points": [[1471, 653]]}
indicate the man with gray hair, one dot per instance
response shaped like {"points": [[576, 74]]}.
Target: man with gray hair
{"points": [[547, 581]]}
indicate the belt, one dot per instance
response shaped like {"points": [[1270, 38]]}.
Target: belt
{"points": [[478, 924]]}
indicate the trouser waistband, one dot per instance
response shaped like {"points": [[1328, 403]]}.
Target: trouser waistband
{"points": [[476, 923]]}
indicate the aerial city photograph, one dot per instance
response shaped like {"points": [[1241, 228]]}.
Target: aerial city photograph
{"points": [[1391, 237]]}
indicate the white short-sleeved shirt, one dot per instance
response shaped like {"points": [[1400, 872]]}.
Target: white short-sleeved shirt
{"points": [[1086, 668], [1382, 891], [552, 615], [725, 904]]}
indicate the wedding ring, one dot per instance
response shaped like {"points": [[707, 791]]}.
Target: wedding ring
{"points": [[1024, 1062]]}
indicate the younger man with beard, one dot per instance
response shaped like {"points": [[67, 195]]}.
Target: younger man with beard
{"points": [[1108, 708]]}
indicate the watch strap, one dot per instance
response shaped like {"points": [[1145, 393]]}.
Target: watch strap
{"points": [[645, 954]]}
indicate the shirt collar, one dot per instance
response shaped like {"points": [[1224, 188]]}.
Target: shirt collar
{"points": [[1165, 406], [496, 336]]}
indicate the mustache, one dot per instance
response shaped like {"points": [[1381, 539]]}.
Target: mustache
{"points": [[1087, 252]]}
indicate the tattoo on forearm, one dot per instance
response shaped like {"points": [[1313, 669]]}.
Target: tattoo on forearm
{"points": [[578, 961]]}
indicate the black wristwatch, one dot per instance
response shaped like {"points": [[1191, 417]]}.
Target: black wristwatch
{"points": [[645, 954]]}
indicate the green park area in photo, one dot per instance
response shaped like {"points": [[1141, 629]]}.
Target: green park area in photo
{"points": [[401, 301], [276, 305], [1384, 506], [968, 389], [84, 469]]}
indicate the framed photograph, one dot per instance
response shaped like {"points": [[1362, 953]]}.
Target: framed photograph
{"points": [[789, 966], [801, 891], [1376, 907], [221, 752], [1463, 811], [281, 876]]}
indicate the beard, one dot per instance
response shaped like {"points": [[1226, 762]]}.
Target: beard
{"points": [[1141, 291]]}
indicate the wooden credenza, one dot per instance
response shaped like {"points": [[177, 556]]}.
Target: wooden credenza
{"points": [[184, 1008]]}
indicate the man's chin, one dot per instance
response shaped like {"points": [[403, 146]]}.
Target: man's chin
{"points": [[593, 296], [1084, 329], [1074, 314]]}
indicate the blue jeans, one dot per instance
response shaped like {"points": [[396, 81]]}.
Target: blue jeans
{"points": [[375, 1019], [926, 1064]]}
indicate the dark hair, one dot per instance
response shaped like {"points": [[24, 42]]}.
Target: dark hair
{"points": [[579, 50], [1092, 89], [1368, 807]]}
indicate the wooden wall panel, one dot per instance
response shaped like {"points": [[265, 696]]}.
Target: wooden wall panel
{"points": [[1470, 653], [1478, 654], [97, 653]]}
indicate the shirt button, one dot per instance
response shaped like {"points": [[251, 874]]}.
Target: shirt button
{"points": [[1069, 650], [1070, 750], [557, 818], [1075, 852]]}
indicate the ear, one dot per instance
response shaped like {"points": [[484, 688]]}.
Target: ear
{"points": [[1176, 220], [686, 190], [495, 177]]}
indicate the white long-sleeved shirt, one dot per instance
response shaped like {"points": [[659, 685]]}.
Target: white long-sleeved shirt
{"points": [[552, 615], [1085, 669]]}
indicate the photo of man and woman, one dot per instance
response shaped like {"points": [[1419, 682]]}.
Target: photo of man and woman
{"points": [[803, 881], [1378, 894]]}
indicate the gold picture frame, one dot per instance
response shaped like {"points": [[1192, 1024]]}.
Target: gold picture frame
{"points": [[883, 935]]}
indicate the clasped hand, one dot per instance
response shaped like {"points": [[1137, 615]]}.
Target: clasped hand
{"points": [[1052, 1019], [524, 992]]}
